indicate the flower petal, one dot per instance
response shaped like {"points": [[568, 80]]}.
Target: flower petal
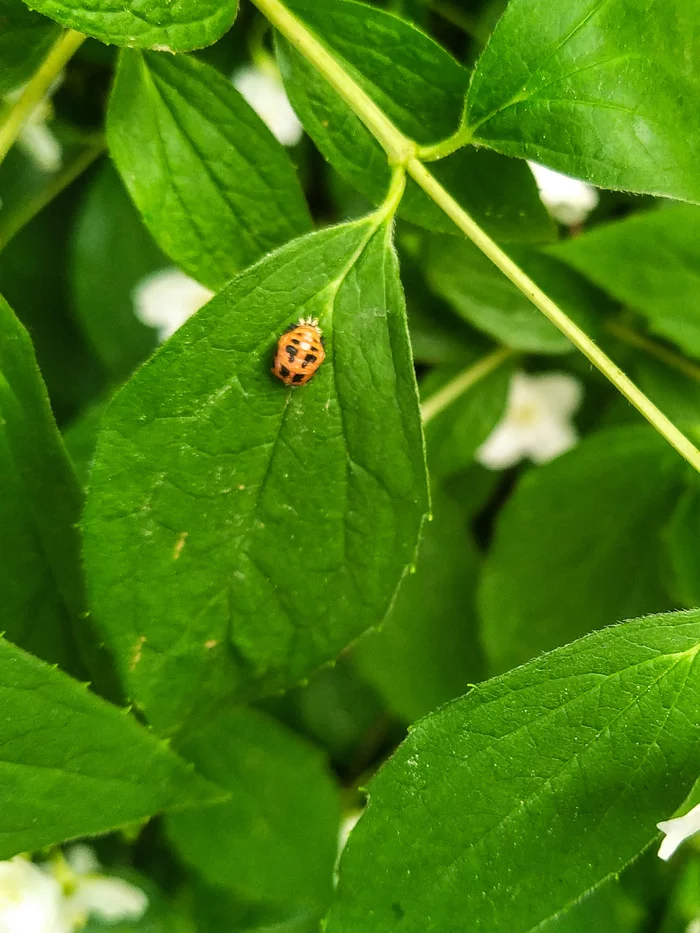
{"points": [[108, 899], [559, 393], [504, 447], [550, 438], [677, 831], [167, 298]]}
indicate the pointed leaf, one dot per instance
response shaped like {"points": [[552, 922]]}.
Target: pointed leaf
{"points": [[579, 545], [169, 25], [240, 533], [604, 90], [72, 765], [506, 806], [215, 188], [277, 837]]}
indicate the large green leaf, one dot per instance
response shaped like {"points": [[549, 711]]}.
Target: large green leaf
{"points": [[460, 273], [427, 651], [216, 189], [506, 806], [239, 533], [579, 545], [73, 765], [421, 89], [111, 252], [40, 573], [25, 38], [604, 90], [277, 837], [651, 262], [168, 25]]}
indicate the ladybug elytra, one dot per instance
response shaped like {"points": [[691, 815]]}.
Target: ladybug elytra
{"points": [[299, 353]]}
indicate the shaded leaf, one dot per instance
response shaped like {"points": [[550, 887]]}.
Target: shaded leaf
{"points": [[25, 38], [599, 89], [579, 545], [146, 24], [111, 252], [460, 273], [650, 261], [681, 540], [239, 533], [558, 770], [277, 836], [40, 571], [73, 765], [216, 189], [427, 651], [454, 435]]}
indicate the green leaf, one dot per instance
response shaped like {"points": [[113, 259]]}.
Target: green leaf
{"points": [[600, 89], [111, 253], [277, 836], [25, 38], [651, 262], [169, 26], [40, 570], [427, 651], [608, 907], [216, 189], [421, 89], [42, 303], [73, 765], [454, 435], [676, 393], [506, 806], [239, 533], [578, 545], [460, 273], [681, 541]]}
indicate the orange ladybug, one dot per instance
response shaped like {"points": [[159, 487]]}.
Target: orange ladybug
{"points": [[299, 353]]}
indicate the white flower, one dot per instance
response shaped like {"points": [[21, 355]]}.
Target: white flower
{"points": [[567, 199], [166, 299], [35, 138], [90, 894], [30, 899], [266, 95], [537, 423], [677, 831]]}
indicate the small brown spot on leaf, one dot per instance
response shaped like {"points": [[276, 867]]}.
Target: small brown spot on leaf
{"points": [[179, 544], [138, 652]]}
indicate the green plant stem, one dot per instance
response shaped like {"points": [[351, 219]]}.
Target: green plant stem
{"points": [[398, 148], [36, 88], [59, 183], [579, 338], [652, 348], [463, 381], [402, 151]]}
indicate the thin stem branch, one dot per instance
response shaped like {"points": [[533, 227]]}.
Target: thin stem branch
{"points": [[579, 338], [59, 183], [463, 381], [35, 90], [669, 357]]}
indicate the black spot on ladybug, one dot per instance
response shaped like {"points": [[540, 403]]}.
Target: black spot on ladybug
{"points": [[294, 340], [284, 371], [292, 352], [310, 358], [297, 377]]}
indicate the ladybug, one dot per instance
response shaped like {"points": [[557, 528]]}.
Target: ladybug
{"points": [[299, 353]]}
